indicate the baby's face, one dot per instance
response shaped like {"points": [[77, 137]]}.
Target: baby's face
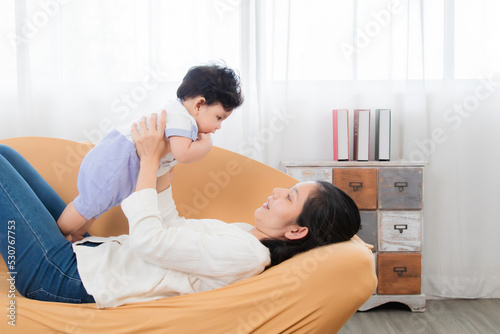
{"points": [[210, 117]]}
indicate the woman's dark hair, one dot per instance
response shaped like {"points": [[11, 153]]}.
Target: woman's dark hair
{"points": [[329, 214], [215, 82]]}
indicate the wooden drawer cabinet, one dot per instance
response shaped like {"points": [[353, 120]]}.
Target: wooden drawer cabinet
{"points": [[360, 184], [400, 188], [398, 273], [389, 196], [400, 231], [368, 230]]}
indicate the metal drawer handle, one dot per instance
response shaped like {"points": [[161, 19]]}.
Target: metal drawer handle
{"points": [[356, 185], [399, 270], [401, 227], [400, 185]]}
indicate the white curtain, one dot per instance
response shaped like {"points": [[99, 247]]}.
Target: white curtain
{"points": [[76, 68]]}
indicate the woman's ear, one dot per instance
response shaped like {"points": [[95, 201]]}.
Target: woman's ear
{"points": [[199, 101], [298, 233]]}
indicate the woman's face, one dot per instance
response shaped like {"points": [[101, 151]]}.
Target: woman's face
{"points": [[277, 217]]}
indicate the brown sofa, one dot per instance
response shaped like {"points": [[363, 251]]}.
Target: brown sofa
{"points": [[315, 292]]}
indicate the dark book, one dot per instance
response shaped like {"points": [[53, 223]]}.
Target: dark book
{"points": [[383, 135]]}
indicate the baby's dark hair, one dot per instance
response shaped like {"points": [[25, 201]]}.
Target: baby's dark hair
{"points": [[215, 82]]}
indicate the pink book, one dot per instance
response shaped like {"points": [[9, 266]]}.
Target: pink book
{"points": [[340, 134]]}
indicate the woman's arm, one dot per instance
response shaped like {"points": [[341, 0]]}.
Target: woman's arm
{"points": [[151, 145], [150, 148], [204, 247], [163, 182]]}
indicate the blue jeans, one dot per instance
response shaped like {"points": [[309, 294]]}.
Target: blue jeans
{"points": [[40, 260]]}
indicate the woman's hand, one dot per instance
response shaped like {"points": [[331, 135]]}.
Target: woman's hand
{"points": [[151, 145]]}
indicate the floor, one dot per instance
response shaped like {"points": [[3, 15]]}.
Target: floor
{"points": [[455, 316]]}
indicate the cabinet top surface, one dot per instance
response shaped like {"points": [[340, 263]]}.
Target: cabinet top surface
{"points": [[331, 163]]}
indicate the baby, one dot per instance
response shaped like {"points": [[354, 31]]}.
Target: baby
{"points": [[108, 173]]}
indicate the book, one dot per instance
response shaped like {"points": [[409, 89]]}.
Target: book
{"points": [[361, 135], [383, 134], [340, 134]]}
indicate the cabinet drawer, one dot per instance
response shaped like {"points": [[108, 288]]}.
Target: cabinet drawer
{"points": [[360, 184], [400, 188], [310, 173], [400, 231], [398, 273], [368, 228]]}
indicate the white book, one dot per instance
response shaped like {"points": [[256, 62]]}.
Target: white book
{"points": [[383, 135], [340, 135], [361, 136]]}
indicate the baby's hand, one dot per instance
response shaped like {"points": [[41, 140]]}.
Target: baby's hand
{"points": [[206, 140], [205, 137]]}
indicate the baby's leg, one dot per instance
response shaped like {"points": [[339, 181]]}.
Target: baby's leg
{"points": [[107, 175], [71, 221]]}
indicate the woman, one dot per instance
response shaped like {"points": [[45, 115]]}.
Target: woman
{"points": [[163, 255]]}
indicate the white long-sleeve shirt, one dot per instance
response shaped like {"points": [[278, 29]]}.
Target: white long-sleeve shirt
{"points": [[166, 255]]}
